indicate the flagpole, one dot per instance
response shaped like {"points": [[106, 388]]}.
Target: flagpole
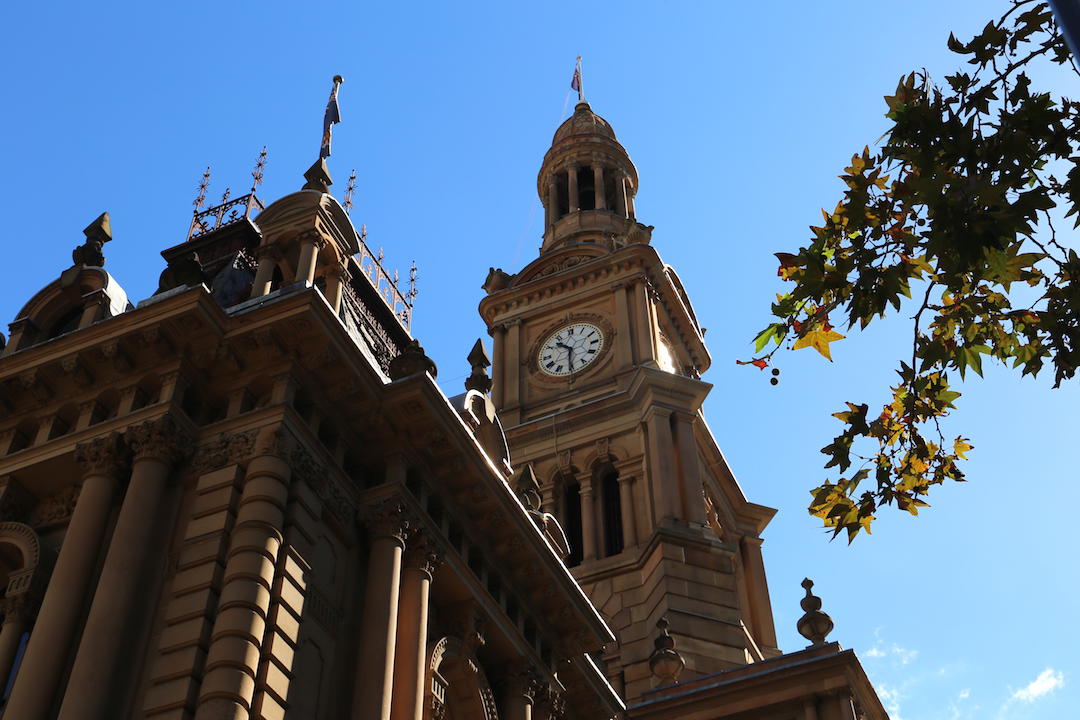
{"points": [[581, 82]]}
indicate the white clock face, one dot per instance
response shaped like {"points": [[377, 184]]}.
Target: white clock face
{"points": [[570, 349]]}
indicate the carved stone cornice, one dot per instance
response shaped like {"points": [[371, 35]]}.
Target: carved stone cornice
{"points": [[224, 450], [161, 438], [386, 519], [104, 455]]}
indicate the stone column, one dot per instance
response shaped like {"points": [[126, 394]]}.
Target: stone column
{"points": [[498, 373], [518, 694], [232, 660], [588, 521], [620, 194], [630, 200], [335, 277], [758, 590], [311, 242], [375, 677], [662, 466], [693, 501], [552, 215], [512, 362], [18, 610], [100, 664], [623, 340], [421, 559], [264, 275], [626, 509], [644, 334], [571, 184], [94, 304], [598, 187], [46, 655]]}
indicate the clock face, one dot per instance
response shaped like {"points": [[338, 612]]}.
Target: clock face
{"points": [[570, 349]]}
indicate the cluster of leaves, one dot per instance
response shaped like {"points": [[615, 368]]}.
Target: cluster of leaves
{"points": [[956, 206]]}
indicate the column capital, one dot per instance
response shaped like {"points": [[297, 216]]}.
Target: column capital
{"points": [[161, 438], [386, 519], [522, 679], [422, 552], [101, 456], [312, 236]]}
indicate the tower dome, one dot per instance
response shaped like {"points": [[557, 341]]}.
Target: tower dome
{"points": [[583, 122], [587, 183]]}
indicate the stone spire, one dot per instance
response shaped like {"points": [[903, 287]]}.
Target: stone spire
{"points": [[480, 362], [814, 625]]}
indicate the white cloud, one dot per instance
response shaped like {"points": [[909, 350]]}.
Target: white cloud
{"points": [[1047, 682], [890, 698], [965, 694], [875, 652]]}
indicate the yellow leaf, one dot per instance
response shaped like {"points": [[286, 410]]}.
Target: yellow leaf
{"points": [[819, 340], [961, 446]]}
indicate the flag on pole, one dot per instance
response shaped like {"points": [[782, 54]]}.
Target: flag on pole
{"points": [[331, 117], [575, 82]]}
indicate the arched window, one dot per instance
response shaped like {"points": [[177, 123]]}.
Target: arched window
{"points": [[611, 509], [571, 522]]}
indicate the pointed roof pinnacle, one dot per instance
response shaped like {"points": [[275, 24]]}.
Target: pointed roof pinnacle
{"points": [[480, 362]]}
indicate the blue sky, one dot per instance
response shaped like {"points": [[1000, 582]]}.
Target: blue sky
{"points": [[739, 118]]}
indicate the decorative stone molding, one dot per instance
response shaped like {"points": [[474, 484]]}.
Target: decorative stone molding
{"points": [[274, 441], [21, 607], [76, 368], [161, 438], [224, 450], [55, 509], [386, 519], [101, 456], [335, 500]]}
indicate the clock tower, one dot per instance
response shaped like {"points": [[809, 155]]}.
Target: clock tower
{"points": [[597, 367]]}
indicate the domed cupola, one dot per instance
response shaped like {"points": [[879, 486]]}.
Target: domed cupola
{"points": [[587, 183]]}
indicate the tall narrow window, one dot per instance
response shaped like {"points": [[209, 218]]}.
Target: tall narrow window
{"points": [[612, 514], [586, 185], [572, 522], [610, 200], [562, 192]]}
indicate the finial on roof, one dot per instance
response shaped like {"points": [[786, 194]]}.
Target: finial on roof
{"points": [[814, 625], [349, 188], [97, 234], [480, 362], [257, 173], [528, 489], [318, 177], [411, 361], [665, 662], [200, 199]]}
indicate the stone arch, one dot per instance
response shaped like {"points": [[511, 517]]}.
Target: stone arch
{"points": [[20, 556], [79, 297], [455, 686]]}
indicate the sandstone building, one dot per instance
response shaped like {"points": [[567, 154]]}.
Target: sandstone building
{"points": [[246, 496]]}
